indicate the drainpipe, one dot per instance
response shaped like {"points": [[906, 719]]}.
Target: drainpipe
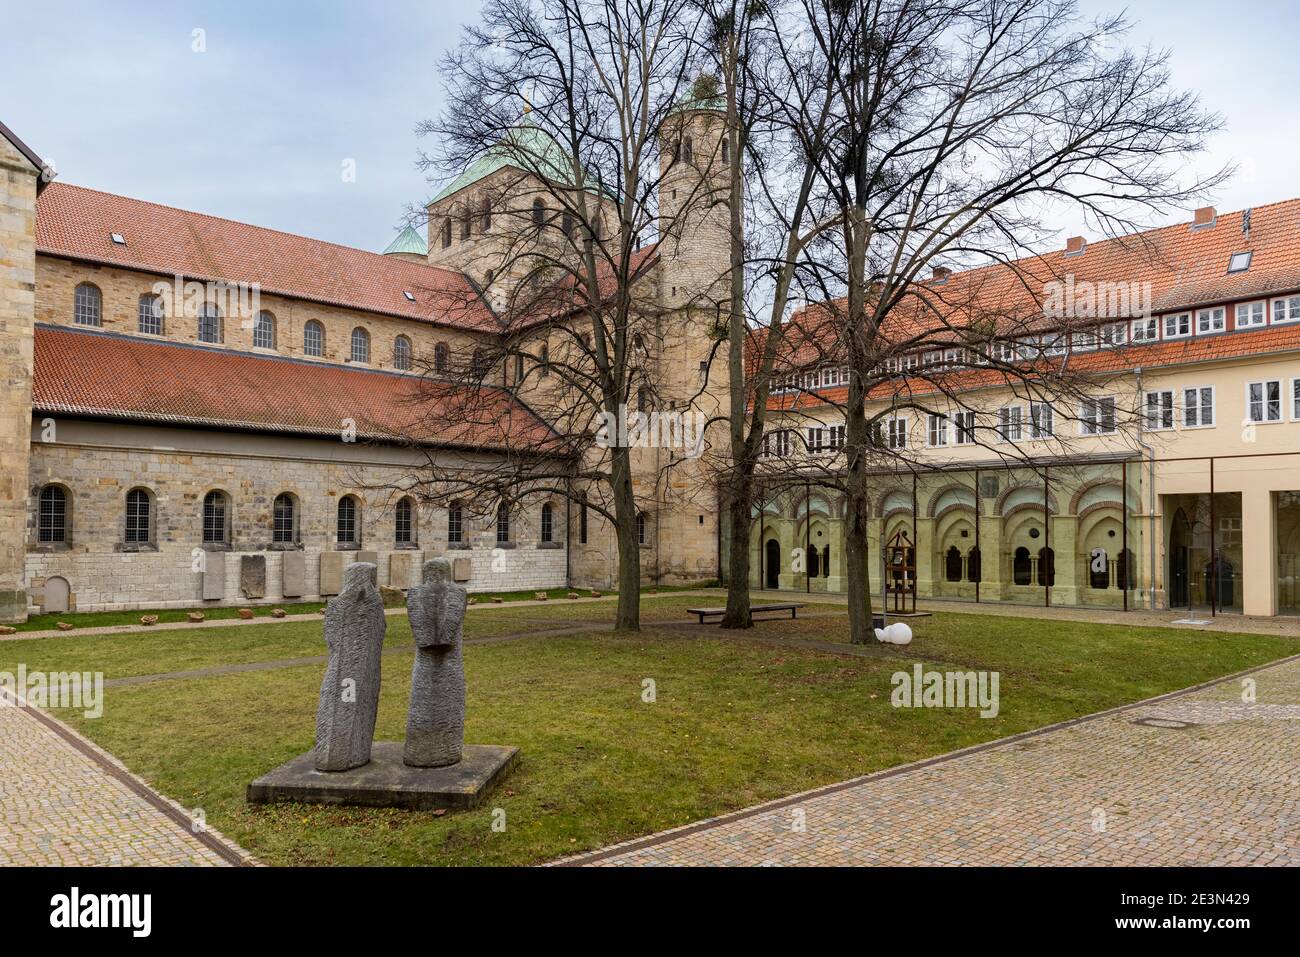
{"points": [[1151, 490]]}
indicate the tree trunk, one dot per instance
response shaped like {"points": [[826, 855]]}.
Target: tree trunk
{"points": [[739, 506], [629, 547]]}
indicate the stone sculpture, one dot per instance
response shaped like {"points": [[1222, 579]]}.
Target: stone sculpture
{"points": [[349, 695], [435, 724]]}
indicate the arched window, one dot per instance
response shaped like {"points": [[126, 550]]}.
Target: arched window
{"points": [[479, 365], [1046, 566], [688, 153], [566, 225], [814, 563], [209, 323], [545, 358], [313, 338], [1098, 578], [264, 331], [1021, 567], [446, 233], [360, 345], [404, 523], [87, 305], [216, 519], [539, 212], [441, 357], [503, 522], [139, 526], [284, 520], [952, 564], [973, 565], [547, 520], [455, 523], [52, 516], [466, 225], [485, 216], [402, 353], [348, 529], [640, 528], [726, 151], [149, 315]]}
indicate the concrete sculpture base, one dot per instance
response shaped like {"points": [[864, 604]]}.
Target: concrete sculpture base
{"points": [[387, 782]]}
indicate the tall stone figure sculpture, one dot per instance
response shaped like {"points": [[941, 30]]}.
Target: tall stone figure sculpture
{"points": [[435, 725], [349, 695]]}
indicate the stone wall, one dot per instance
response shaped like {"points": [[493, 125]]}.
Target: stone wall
{"points": [[98, 463], [17, 296]]}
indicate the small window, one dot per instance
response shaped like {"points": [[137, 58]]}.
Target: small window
{"points": [[479, 364], [441, 358], [1097, 416], [137, 517], [539, 212], [1198, 407], [1211, 320], [1010, 420], [1251, 314], [566, 225], [1295, 400], [347, 527], [466, 226], [52, 516], [404, 523], [582, 524], [1178, 326], [1239, 262], [1160, 410], [1146, 329], [360, 345], [402, 353], [455, 527], [503, 523], [87, 305], [547, 523], [264, 331], [209, 323], [446, 233], [938, 430], [313, 338], [284, 520], [726, 151], [485, 213], [117, 238], [688, 151], [965, 428], [408, 295], [1264, 401], [1041, 424], [149, 315], [215, 515], [640, 528], [897, 434], [1286, 310], [545, 361]]}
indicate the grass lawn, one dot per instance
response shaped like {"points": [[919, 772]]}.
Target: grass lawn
{"points": [[734, 722]]}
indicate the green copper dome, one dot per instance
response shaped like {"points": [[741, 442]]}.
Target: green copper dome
{"points": [[525, 146], [408, 241]]}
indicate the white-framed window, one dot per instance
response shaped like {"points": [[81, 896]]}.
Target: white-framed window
{"points": [[938, 430], [811, 379], [1010, 421], [1113, 334], [264, 331], [1054, 344], [911, 361], [1041, 420], [1286, 309], [1178, 325], [965, 431], [932, 358], [1160, 410], [831, 375], [816, 439], [1264, 401], [1084, 340], [1295, 400], [1211, 320], [896, 433], [1097, 416], [1005, 350], [1251, 314], [1198, 407], [1146, 329]]}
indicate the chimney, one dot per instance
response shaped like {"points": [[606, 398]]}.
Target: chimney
{"points": [[941, 273], [1074, 245], [1204, 217]]}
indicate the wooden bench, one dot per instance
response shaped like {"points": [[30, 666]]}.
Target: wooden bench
{"points": [[790, 606]]}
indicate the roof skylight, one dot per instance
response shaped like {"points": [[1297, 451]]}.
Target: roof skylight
{"points": [[1239, 262], [409, 295], [118, 238]]}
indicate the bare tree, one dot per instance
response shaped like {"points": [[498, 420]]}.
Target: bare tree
{"points": [[958, 126], [570, 210]]}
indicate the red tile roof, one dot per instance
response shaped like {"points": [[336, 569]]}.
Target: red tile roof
{"points": [[75, 222], [106, 375]]}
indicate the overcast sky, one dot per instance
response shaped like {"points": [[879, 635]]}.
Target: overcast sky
{"points": [[257, 128]]}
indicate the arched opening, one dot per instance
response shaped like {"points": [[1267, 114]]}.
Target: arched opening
{"points": [[360, 345], [441, 358], [52, 516], [402, 354], [58, 595], [139, 518], [284, 519], [814, 563], [640, 528], [1021, 567], [347, 530], [503, 523], [404, 523], [313, 339], [264, 331], [973, 565], [539, 212], [548, 523], [216, 518], [87, 305], [772, 563], [952, 564], [1046, 566]]}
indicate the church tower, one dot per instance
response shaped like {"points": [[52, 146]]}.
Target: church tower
{"points": [[20, 179]]}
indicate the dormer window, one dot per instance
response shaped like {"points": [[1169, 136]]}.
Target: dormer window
{"points": [[1239, 262], [117, 238]]}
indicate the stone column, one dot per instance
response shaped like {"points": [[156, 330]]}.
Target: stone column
{"points": [[18, 181]]}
